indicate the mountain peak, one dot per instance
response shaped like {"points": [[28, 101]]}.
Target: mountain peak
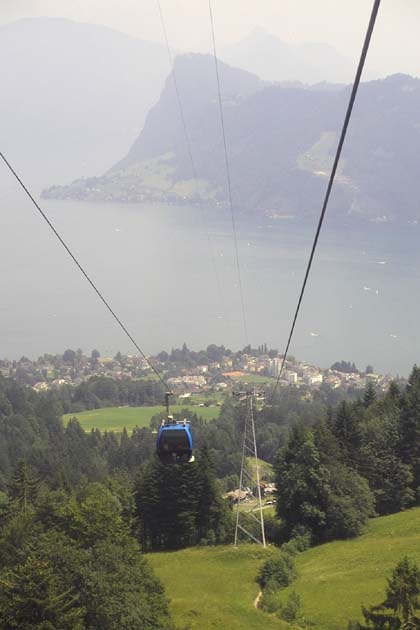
{"points": [[260, 34], [273, 59]]}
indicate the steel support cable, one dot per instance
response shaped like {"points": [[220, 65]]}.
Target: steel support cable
{"points": [[84, 273], [191, 159], [353, 94], [228, 177]]}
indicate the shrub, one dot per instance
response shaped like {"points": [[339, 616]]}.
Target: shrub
{"points": [[272, 528], [302, 536], [291, 610], [296, 545], [290, 548], [280, 569], [302, 541], [270, 601]]}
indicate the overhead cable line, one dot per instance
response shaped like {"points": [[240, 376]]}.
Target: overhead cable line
{"points": [[353, 94], [191, 157], [228, 177], [84, 272]]}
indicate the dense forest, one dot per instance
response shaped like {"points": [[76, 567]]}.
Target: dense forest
{"points": [[71, 534], [361, 460], [78, 508]]}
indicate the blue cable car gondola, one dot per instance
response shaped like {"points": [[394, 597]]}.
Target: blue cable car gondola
{"points": [[174, 443]]}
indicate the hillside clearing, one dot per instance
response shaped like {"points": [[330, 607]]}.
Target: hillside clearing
{"points": [[337, 578], [116, 418], [215, 587]]}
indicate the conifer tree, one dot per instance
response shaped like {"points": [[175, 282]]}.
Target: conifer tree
{"points": [[379, 461], [393, 392], [344, 423], [318, 492], [369, 395], [211, 518], [410, 425], [167, 503], [302, 484], [401, 607], [180, 505], [346, 429], [22, 490]]}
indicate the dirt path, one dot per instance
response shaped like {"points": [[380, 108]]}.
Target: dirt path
{"points": [[257, 600]]}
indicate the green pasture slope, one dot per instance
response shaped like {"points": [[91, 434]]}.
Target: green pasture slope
{"points": [[214, 587], [116, 418], [337, 578], [254, 379], [266, 470]]}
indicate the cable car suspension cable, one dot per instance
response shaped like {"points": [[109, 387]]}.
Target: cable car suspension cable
{"points": [[191, 158], [83, 271], [228, 177], [353, 94]]}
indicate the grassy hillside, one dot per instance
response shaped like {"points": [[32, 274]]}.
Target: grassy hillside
{"points": [[335, 579], [214, 587], [116, 418], [265, 469]]}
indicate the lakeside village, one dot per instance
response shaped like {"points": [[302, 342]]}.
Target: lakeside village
{"points": [[213, 370]]}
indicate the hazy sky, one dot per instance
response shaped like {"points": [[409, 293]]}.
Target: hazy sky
{"points": [[341, 23]]}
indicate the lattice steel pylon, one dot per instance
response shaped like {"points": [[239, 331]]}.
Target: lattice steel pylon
{"points": [[249, 449]]}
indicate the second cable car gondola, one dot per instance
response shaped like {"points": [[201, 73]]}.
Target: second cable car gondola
{"points": [[174, 443]]}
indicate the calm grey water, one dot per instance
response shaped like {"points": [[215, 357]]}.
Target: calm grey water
{"points": [[153, 265]]}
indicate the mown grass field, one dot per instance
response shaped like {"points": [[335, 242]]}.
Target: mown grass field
{"points": [[116, 418], [337, 578], [214, 588], [254, 379]]}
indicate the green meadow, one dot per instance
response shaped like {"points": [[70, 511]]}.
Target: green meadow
{"points": [[337, 578], [254, 379], [116, 418], [214, 587]]}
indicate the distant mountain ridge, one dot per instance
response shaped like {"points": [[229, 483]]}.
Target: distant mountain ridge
{"points": [[75, 95], [275, 60], [281, 142]]}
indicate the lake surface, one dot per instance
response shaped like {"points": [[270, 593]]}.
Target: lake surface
{"points": [[154, 266]]}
